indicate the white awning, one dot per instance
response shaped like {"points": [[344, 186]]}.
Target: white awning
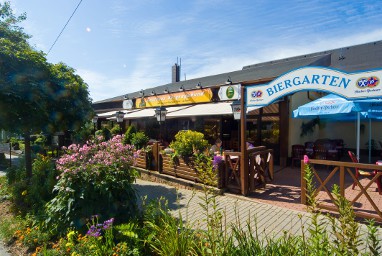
{"points": [[149, 112], [209, 109], [112, 113]]}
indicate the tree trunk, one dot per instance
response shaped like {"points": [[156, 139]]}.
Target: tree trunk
{"points": [[28, 155]]}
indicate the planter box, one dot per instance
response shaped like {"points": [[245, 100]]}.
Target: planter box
{"points": [[185, 169], [144, 161]]}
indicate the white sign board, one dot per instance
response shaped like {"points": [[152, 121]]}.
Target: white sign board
{"points": [[127, 104], [236, 112], [349, 85], [230, 92]]}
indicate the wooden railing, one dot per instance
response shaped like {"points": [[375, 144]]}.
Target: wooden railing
{"points": [[260, 169], [343, 171], [232, 171]]}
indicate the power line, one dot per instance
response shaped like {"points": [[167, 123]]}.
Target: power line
{"points": [[55, 41]]}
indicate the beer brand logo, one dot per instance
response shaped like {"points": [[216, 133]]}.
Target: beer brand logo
{"points": [[230, 92], [367, 82], [142, 104], [257, 94]]}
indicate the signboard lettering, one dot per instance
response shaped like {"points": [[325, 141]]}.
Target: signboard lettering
{"points": [[178, 98], [351, 86]]}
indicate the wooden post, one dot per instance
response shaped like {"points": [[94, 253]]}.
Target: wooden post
{"points": [[342, 180], [284, 131], [156, 155], [244, 175]]}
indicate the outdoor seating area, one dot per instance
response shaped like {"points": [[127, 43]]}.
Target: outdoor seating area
{"points": [[323, 149]]}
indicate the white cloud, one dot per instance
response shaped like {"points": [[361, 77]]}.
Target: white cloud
{"points": [[103, 87], [149, 69]]}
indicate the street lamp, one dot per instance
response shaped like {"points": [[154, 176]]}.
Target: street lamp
{"points": [[119, 115], [160, 114], [95, 120], [236, 110]]}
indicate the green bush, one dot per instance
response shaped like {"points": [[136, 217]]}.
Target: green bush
{"points": [[115, 130], [139, 140], [104, 132], [131, 130], [188, 142], [30, 197], [94, 179], [3, 160]]}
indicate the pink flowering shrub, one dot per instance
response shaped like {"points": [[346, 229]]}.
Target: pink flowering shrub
{"points": [[95, 178]]}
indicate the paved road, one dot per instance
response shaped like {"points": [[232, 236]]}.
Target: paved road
{"points": [[271, 220], [3, 251]]}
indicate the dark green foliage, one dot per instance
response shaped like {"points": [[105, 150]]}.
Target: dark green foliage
{"points": [[35, 95], [115, 130], [139, 140], [3, 160], [31, 196], [104, 132], [308, 127], [131, 130]]}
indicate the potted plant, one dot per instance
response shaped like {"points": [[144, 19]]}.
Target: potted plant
{"points": [[180, 162], [144, 152]]}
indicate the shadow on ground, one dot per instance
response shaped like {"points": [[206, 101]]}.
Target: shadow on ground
{"points": [[152, 192]]}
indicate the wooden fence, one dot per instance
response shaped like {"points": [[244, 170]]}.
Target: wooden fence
{"points": [[362, 199], [260, 169]]}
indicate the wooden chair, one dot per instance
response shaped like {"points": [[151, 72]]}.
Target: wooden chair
{"points": [[309, 149], [332, 151], [320, 151], [298, 152], [359, 173]]}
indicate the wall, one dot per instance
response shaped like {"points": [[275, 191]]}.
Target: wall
{"points": [[330, 129]]}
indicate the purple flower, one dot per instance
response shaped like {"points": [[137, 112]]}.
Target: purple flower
{"points": [[93, 231], [216, 161], [306, 159], [108, 223]]}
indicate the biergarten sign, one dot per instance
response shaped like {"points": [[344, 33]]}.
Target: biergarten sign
{"points": [[178, 98], [356, 85]]}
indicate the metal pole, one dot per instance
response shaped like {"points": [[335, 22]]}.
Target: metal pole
{"points": [[10, 153], [358, 133], [160, 132], [369, 140]]}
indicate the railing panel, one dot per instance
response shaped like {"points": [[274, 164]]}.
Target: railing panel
{"points": [[365, 198], [260, 168]]}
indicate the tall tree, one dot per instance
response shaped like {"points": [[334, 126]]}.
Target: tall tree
{"points": [[36, 96]]}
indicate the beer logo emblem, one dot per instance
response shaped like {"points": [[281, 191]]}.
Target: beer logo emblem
{"points": [[230, 92], [367, 82], [257, 94]]}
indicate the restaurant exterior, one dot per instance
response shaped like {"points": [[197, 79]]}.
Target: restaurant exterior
{"points": [[205, 104]]}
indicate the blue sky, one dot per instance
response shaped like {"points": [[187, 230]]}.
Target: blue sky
{"points": [[120, 46]]}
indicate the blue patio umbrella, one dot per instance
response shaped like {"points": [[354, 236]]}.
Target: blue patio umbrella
{"points": [[335, 107]]}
